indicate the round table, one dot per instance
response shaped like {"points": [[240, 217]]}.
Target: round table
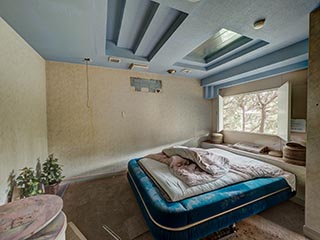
{"points": [[33, 218]]}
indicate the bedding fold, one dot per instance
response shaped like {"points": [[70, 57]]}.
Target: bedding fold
{"points": [[187, 171], [193, 166], [185, 178], [209, 162]]}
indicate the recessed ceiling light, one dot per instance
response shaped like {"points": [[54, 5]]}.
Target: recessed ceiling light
{"points": [[185, 70], [171, 71], [259, 23], [194, 1]]}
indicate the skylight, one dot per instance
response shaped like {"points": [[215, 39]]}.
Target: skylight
{"points": [[222, 40]]}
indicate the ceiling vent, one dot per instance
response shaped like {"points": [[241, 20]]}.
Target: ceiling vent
{"points": [[185, 70], [114, 60], [135, 66]]}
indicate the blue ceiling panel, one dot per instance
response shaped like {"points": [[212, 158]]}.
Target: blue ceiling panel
{"points": [[140, 27], [286, 56], [161, 33], [212, 91], [240, 42], [165, 22], [180, 17], [113, 50], [135, 19], [238, 49], [115, 14], [148, 18], [254, 45]]}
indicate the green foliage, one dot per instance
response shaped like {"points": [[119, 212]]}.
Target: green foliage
{"points": [[252, 112], [51, 171], [28, 182]]}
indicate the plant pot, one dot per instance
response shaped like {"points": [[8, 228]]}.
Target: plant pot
{"points": [[52, 189]]}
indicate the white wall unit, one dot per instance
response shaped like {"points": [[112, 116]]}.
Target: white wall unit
{"points": [[284, 116]]}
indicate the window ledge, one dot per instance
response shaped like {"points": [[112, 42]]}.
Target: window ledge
{"points": [[251, 133]]}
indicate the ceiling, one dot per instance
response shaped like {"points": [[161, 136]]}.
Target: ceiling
{"points": [[161, 33]]}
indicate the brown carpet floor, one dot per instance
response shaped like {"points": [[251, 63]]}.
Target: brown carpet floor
{"points": [[110, 201]]}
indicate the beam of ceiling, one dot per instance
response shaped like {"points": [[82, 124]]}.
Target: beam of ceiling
{"points": [[296, 53], [253, 47], [162, 32], [212, 91], [134, 15], [149, 17], [114, 19], [176, 21]]}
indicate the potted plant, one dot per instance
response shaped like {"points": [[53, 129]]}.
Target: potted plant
{"points": [[28, 183], [51, 174]]}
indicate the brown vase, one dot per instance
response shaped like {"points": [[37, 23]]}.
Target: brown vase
{"points": [[52, 189]]}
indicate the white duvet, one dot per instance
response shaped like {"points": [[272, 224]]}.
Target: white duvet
{"points": [[241, 169]]}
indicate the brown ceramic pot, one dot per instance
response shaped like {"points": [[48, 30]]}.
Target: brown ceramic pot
{"points": [[52, 189]]}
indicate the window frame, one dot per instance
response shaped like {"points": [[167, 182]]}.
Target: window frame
{"points": [[285, 135]]}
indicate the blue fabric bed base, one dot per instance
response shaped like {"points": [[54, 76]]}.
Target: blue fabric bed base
{"points": [[202, 215]]}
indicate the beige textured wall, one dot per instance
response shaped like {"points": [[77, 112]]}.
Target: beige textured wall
{"points": [[298, 102], [120, 123], [312, 227], [23, 124]]}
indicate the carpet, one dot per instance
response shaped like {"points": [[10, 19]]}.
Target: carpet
{"points": [[110, 201], [257, 227]]}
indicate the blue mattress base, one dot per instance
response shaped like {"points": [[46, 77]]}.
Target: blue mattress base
{"points": [[202, 215]]}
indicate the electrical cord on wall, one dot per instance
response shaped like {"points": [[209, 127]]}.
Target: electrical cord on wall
{"points": [[87, 60]]}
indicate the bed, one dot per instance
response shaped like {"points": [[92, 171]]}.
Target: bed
{"points": [[199, 216]]}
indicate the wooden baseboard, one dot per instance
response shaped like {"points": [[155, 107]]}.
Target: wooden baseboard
{"points": [[89, 177], [298, 201], [311, 233], [73, 233]]}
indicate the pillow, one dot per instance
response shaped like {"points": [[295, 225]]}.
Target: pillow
{"points": [[251, 147], [208, 161]]}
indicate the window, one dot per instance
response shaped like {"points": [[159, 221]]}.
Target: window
{"points": [[266, 111], [254, 112]]}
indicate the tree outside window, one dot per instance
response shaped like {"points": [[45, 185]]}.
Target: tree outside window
{"points": [[252, 112]]}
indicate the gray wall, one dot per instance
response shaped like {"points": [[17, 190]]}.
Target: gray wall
{"points": [[23, 123], [312, 227]]}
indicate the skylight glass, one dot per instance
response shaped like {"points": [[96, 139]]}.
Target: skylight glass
{"points": [[213, 45]]}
